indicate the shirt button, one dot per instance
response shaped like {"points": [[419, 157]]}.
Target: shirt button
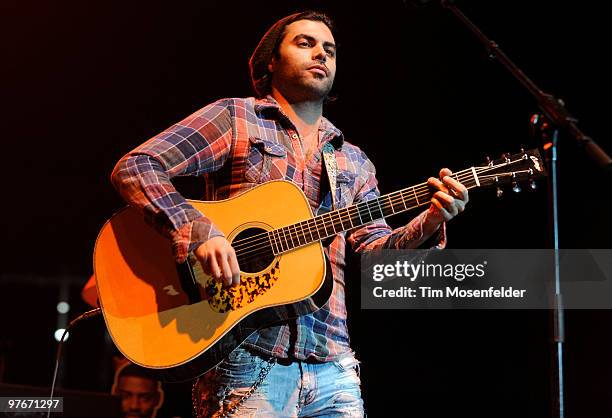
{"points": [[295, 136]]}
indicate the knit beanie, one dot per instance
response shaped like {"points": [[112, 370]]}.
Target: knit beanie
{"points": [[258, 64]]}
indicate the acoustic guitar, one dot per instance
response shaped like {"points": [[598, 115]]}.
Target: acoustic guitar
{"points": [[178, 322]]}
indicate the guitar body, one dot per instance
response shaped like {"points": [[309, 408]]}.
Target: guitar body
{"points": [[177, 321]]}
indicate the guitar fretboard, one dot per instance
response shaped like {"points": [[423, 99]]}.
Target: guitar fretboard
{"points": [[344, 219]]}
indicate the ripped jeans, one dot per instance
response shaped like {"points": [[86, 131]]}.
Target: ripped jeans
{"points": [[290, 389]]}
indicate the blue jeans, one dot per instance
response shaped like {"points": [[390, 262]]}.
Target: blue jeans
{"points": [[290, 389]]}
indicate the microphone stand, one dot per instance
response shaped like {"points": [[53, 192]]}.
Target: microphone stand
{"points": [[555, 114], [552, 108]]}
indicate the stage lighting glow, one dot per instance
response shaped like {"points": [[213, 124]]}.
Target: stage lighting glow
{"points": [[63, 307], [58, 334]]}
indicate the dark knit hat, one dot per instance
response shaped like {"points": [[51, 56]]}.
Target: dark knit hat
{"points": [[268, 45]]}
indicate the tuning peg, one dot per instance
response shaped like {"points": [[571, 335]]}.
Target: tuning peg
{"points": [[532, 184], [516, 188], [498, 190], [489, 162]]}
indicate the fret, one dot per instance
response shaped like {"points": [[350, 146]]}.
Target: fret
{"points": [[350, 217], [372, 208], [312, 239], [298, 234], [287, 244], [354, 216], [318, 230], [382, 213], [279, 240], [361, 221], [273, 243], [289, 237], [391, 204], [415, 196], [367, 205], [295, 236], [476, 180], [323, 223], [315, 229], [403, 200], [345, 220], [337, 213], [333, 222], [328, 221], [302, 234]]}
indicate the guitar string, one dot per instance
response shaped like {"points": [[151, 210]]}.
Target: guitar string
{"points": [[328, 221], [259, 250], [395, 198], [295, 234], [267, 250], [352, 211], [389, 201], [423, 192]]}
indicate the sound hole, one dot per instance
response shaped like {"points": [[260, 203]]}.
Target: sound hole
{"points": [[253, 250]]}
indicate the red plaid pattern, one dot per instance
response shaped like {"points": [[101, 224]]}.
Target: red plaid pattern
{"points": [[235, 144]]}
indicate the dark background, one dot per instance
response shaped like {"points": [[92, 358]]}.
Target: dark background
{"points": [[84, 83]]}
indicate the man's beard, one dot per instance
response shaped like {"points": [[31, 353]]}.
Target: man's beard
{"points": [[306, 89]]}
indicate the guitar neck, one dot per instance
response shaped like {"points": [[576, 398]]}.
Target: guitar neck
{"points": [[331, 223]]}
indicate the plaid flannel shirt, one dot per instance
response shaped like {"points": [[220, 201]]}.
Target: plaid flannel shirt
{"points": [[235, 144]]}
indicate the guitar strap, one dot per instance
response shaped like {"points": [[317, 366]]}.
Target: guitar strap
{"points": [[331, 168]]}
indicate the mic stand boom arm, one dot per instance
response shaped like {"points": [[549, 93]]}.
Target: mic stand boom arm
{"points": [[552, 108]]}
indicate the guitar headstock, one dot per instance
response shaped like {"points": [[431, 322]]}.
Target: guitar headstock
{"points": [[525, 166]]}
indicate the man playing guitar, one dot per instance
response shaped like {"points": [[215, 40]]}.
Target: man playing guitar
{"points": [[304, 366]]}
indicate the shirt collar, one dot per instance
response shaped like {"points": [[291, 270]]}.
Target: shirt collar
{"points": [[329, 133]]}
